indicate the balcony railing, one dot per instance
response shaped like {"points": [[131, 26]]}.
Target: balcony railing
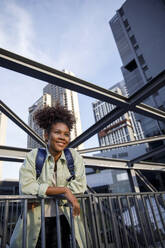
{"points": [[110, 220]]}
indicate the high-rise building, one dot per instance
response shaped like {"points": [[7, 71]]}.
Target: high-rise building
{"points": [[138, 29], [124, 129], [3, 127], [51, 95], [44, 100]]}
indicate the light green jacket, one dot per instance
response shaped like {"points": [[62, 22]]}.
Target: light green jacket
{"points": [[29, 185]]}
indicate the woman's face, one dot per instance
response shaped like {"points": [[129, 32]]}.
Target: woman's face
{"points": [[58, 138]]}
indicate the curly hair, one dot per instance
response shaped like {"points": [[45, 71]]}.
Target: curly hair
{"points": [[47, 116]]}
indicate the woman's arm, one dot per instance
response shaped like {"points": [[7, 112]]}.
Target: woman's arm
{"points": [[68, 194], [28, 183]]}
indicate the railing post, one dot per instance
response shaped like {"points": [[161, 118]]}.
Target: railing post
{"points": [[72, 228], [141, 218], [156, 224], [5, 221], [132, 222], [148, 220], [115, 224], [98, 235], [58, 225], [93, 221], [127, 244], [102, 218], [43, 223], [87, 234], [24, 225]]}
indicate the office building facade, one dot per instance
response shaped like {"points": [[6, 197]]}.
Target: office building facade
{"points": [[43, 101], [124, 129], [138, 29]]}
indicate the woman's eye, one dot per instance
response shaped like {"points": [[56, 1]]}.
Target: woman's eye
{"points": [[67, 134], [57, 132]]}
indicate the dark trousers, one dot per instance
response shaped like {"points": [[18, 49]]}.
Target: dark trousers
{"points": [[51, 233]]}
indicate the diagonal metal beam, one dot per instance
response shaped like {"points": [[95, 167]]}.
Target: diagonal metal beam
{"points": [[42, 72], [10, 114], [148, 89], [141, 109], [130, 143], [145, 180], [98, 126], [34, 69], [147, 155], [31, 68], [149, 111], [108, 119]]}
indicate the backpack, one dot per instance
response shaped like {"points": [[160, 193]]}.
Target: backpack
{"points": [[41, 156]]}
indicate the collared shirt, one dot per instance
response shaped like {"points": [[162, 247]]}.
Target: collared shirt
{"points": [[30, 185]]}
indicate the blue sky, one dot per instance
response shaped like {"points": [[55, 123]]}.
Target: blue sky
{"points": [[66, 34]]}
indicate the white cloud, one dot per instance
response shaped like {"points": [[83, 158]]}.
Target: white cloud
{"points": [[16, 28], [17, 32]]}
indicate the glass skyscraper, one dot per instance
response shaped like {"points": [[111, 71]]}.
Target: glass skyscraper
{"points": [[138, 29]]}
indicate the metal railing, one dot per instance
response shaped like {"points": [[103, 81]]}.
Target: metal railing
{"points": [[109, 220]]}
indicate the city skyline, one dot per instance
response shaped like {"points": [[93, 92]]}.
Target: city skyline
{"points": [[24, 31]]}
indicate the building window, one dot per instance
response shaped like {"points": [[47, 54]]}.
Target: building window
{"points": [[141, 59], [145, 68], [114, 156], [133, 40], [131, 66], [123, 154], [121, 11], [128, 29], [136, 47], [126, 24]]}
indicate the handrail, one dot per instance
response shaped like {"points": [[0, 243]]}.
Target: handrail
{"points": [[117, 219]]}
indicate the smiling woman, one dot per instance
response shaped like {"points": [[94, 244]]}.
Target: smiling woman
{"points": [[57, 123], [58, 138]]}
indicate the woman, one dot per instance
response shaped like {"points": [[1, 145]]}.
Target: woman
{"points": [[57, 122]]}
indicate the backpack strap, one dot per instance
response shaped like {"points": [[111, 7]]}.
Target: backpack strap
{"points": [[40, 159], [70, 163]]}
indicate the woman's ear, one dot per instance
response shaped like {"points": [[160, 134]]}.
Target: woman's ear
{"points": [[46, 136]]}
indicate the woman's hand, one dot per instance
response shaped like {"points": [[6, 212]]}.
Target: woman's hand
{"points": [[76, 206], [68, 194]]}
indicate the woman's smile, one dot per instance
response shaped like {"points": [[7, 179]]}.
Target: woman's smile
{"points": [[58, 138]]}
